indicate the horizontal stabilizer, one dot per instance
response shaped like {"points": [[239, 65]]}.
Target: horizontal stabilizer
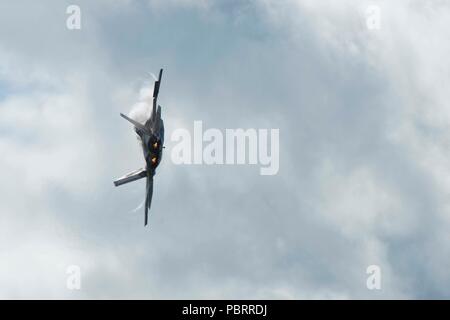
{"points": [[138, 125], [132, 176]]}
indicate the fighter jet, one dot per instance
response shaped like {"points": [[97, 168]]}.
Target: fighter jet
{"points": [[152, 138]]}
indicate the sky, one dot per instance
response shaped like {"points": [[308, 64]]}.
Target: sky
{"points": [[363, 121]]}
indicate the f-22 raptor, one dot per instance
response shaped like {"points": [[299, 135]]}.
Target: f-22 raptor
{"points": [[152, 137]]}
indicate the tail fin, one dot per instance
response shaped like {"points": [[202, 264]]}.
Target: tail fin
{"points": [[157, 84], [155, 94], [148, 196]]}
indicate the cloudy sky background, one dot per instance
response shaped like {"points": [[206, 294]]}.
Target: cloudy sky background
{"points": [[364, 148]]}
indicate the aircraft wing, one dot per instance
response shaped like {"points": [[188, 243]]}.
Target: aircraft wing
{"points": [[132, 176]]}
